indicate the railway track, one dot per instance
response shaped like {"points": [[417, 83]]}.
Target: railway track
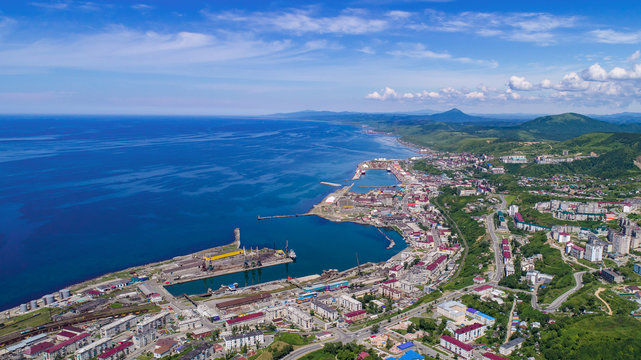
{"points": [[57, 325]]}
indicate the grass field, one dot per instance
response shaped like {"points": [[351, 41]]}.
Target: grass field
{"points": [[26, 321]]}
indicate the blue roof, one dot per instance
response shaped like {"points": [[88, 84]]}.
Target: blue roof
{"points": [[412, 355], [406, 345], [390, 358], [484, 315]]}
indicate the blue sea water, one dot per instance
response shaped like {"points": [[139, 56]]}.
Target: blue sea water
{"points": [[82, 196]]}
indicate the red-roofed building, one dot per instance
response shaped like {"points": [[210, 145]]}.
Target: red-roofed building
{"points": [[67, 346], [479, 280], [253, 318], [65, 335], [38, 348], [363, 355], [354, 316], [470, 332], [390, 292], [482, 290], [436, 266], [457, 347], [490, 356], [117, 352]]}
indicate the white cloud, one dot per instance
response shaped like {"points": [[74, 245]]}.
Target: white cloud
{"points": [[302, 21], [475, 95], [51, 5], [385, 94], [539, 28], [594, 73], [142, 7], [572, 82], [635, 56], [419, 51], [398, 14], [619, 73], [519, 83], [367, 50], [609, 36], [546, 84], [125, 49]]}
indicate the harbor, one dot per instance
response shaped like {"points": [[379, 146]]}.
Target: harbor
{"points": [[223, 260]]}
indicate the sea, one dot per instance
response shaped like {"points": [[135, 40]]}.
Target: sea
{"points": [[81, 196]]}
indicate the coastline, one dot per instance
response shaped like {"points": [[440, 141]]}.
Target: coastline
{"points": [[127, 272]]}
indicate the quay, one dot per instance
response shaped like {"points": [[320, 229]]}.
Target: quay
{"points": [[330, 184], [282, 216], [391, 241], [207, 275]]}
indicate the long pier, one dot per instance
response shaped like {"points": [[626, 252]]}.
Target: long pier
{"points": [[391, 241], [282, 216]]}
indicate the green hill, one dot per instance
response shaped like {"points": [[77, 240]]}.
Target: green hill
{"points": [[566, 126]]}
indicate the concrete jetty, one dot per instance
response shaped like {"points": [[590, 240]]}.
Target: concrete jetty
{"points": [[281, 216]]}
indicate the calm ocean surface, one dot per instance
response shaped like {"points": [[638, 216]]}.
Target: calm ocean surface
{"points": [[82, 196]]}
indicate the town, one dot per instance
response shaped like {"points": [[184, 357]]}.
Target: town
{"points": [[485, 271]]}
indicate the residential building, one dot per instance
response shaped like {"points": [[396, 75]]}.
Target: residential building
{"points": [[470, 332], [611, 276], [510, 346], [146, 329], [118, 326], [593, 251], [299, 318], [251, 339], [324, 311], [93, 349], [349, 303], [457, 347], [637, 268], [479, 316], [355, 316], [119, 352]]}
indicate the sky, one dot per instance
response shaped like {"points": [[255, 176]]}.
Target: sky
{"points": [[260, 57]]}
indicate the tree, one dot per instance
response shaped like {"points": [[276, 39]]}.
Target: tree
{"points": [[375, 328]]}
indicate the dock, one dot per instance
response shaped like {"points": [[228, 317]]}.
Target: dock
{"points": [[210, 274], [330, 184], [281, 216], [391, 241]]}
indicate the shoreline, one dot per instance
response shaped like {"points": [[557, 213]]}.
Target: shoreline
{"points": [[111, 276]]}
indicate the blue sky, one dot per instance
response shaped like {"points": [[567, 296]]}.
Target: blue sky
{"points": [[258, 57]]}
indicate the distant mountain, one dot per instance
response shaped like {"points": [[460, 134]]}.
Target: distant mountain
{"points": [[621, 118], [456, 115], [569, 125]]}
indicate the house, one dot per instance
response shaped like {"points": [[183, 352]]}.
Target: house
{"points": [[457, 347], [574, 250], [509, 347], [637, 268], [251, 339], [479, 280], [162, 351]]}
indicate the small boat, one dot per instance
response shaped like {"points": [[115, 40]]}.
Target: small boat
{"points": [[232, 287], [291, 254], [389, 170]]}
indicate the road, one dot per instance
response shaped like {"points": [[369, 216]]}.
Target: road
{"points": [[578, 277], [509, 323]]}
